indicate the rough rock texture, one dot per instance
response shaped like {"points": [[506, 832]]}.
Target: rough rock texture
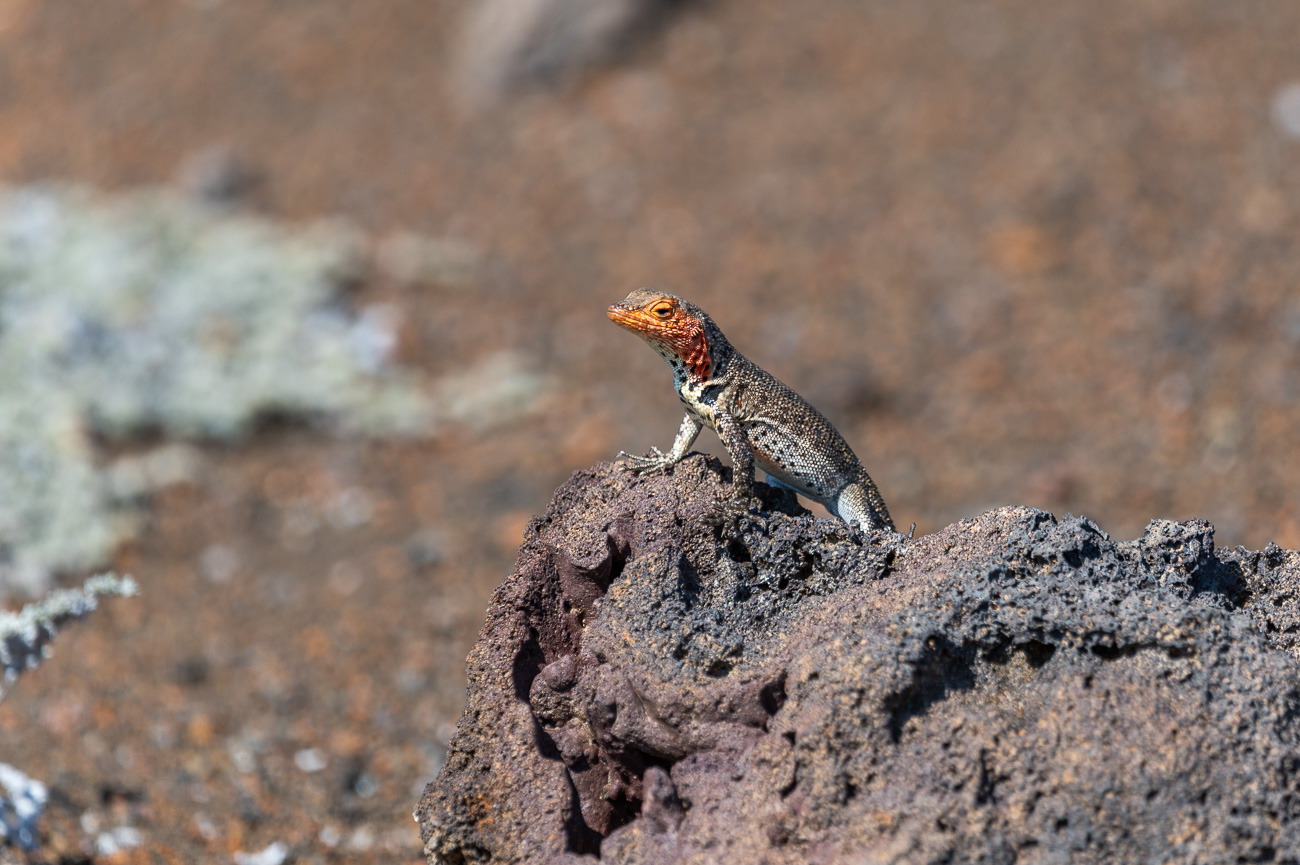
{"points": [[1014, 688]]}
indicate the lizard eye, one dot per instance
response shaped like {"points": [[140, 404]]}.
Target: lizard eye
{"points": [[662, 310]]}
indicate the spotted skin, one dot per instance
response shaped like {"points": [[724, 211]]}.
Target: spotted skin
{"points": [[761, 421]]}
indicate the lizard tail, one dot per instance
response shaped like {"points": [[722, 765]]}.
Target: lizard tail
{"points": [[860, 502]]}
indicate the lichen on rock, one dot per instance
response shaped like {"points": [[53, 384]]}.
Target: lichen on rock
{"points": [[25, 639], [1015, 687], [25, 636], [150, 312]]}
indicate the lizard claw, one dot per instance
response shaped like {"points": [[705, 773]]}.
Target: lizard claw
{"points": [[645, 465]]}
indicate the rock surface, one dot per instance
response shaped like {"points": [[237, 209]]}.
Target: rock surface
{"points": [[1013, 688]]}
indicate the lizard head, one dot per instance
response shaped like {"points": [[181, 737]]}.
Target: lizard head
{"points": [[679, 330]]}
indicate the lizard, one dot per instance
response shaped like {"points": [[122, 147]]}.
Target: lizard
{"points": [[759, 420]]}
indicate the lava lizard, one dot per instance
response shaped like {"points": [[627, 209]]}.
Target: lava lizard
{"points": [[760, 420]]}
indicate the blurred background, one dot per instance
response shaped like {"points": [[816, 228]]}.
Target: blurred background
{"points": [[302, 318]]}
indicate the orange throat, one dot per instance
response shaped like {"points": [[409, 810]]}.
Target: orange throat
{"points": [[684, 339]]}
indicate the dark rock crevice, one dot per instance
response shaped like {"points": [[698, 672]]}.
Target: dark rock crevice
{"points": [[1013, 686]]}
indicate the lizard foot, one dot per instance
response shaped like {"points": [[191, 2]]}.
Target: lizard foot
{"points": [[730, 516], [645, 465]]}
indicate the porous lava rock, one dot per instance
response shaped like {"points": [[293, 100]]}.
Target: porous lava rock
{"points": [[1013, 688]]}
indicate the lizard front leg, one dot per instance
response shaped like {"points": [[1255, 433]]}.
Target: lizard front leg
{"points": [[687, 433], [742, 456]]}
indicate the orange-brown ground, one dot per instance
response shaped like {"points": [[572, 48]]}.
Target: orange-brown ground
{"points": [[1021, 253]]}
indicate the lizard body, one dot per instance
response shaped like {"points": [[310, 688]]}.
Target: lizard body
{"points": [[760, 420]]}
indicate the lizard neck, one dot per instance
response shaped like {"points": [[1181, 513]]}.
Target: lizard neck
{"points": [[700, 354], [697, 355]]}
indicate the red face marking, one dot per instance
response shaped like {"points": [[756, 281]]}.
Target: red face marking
{"points": [[694, 350], [677, 331]]}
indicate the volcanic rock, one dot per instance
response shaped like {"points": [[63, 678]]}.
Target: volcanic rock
{"points": [[1013, 688]]}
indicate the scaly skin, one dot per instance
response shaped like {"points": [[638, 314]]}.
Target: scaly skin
{"points": [[760, 420]]}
